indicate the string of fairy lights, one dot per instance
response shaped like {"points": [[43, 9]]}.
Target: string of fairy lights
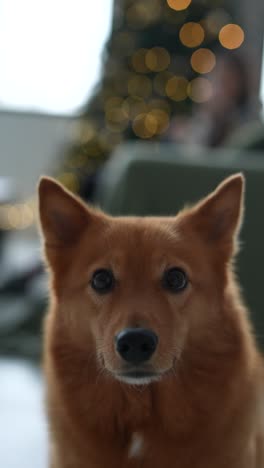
{"points": [[145, 82]]}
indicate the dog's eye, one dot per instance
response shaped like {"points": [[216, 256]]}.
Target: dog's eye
{"points": [[174, 279], [103, 281]]}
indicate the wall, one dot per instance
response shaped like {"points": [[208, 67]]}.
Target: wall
{"points": [[30, 145]]}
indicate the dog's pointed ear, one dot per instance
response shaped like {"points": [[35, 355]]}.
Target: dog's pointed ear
{"points": [[218, 217], [63, 217]]}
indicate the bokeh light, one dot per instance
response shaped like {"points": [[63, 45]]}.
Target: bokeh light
{"points": [[139, 61], [203, 60], [133, 106], [116, 118], [179, 4], [157, 59], [200, 90], [162, 120], [192, 34], [176, 88], [161, 104], [4, 222], [18, 216], [145, 125], [85, 132], [112, 106], [149, 124], [231, 36]]}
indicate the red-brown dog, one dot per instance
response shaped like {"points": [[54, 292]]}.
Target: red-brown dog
{"points": [[149, 357]]}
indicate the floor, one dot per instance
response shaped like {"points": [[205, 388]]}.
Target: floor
{"points": [[23, 431]]}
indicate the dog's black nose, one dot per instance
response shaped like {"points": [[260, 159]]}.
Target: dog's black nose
{"points": [[136, 345]]}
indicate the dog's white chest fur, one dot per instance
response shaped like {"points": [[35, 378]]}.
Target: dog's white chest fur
{"points": [[136, 445]]}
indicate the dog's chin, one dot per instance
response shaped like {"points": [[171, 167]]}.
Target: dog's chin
{"points": [[137, 377]]}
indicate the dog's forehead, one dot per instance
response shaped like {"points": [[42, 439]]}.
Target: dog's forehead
{"points": [[130, 240], [142, 244], [143, 232]]}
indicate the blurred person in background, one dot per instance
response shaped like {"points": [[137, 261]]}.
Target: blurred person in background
{"points": [[228, 108]]}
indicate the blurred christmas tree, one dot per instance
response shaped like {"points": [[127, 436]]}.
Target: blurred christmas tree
{"points": [[157, 62]]}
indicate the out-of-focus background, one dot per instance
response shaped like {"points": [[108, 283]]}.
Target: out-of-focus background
{"points": [[136, 105]]}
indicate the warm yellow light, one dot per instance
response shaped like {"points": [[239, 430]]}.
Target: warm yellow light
{"points": [[139, 85], [200, 90], [151, 124], [20, 216], [203, 61], [139, 61], [134, 105], [162, 120], [176, 88], [27, 216], [115, 115], [157, 59], [231, 36], [116, 119], [145, 125], [32, 202], [86, 132], [192, 34], [4, 222], [179, 4], [14, 217]]}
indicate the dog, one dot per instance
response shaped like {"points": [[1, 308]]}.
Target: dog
{"points": [[149, 356]]}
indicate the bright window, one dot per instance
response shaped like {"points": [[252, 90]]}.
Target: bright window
{"points": [[50, 52]]}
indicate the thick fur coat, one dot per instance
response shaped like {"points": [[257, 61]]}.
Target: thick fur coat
{"points": [[200, 405]]}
